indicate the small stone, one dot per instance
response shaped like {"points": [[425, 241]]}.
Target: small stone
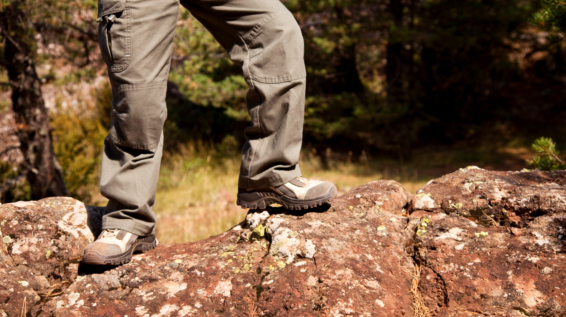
{"points": [[312, 281], [106, 282], [517, 232], [424, 202], [73, 298], [256, 219], [546, 270], [515, 220], [310, 249]]}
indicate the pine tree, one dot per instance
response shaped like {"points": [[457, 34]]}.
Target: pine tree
{"points": [[547, 158], [552, 18]]}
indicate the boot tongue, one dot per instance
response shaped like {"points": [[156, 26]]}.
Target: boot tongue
{"points": [[299, 182]]}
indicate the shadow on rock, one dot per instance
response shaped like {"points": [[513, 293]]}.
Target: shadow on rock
{"points": [[284, 211], [88, 269], [94, 219]]}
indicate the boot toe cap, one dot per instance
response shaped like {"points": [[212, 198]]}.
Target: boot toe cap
{"points": [[323, 189]]}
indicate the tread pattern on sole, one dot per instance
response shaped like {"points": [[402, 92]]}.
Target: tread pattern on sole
{"points": [[262, 204]]}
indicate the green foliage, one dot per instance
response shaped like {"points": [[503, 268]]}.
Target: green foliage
{"points": [[435, 71], [547, 157], [551, 16], [202, 70], [78, 136], [17, 190]]}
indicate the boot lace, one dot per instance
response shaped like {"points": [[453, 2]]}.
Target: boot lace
{"points": [[109, 233]]}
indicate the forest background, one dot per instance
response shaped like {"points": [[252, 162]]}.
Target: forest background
{"points": [[399, 89]]}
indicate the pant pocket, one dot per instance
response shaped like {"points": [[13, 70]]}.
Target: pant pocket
{"points": [[114, 34], [138, 115]]}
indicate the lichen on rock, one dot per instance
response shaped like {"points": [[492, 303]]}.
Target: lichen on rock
{"points": [[473, 242]]}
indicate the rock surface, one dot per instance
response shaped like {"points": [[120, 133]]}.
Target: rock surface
{"points": [[471, 243]]}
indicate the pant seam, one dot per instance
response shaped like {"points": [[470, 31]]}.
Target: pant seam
{"points": [[120, 67], [252, 87], [247, 63], [278, 79], [140, 86], [260, 142]]}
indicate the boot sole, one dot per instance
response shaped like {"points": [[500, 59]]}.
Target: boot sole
{"points": [[287, 202], [142, 244]]}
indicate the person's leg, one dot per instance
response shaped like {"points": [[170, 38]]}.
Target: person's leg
{"points": [[265, 39], [136, 40]]}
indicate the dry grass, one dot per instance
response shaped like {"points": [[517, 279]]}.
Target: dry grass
{"points": [[24, 308], [196, 196], [419, 305]]}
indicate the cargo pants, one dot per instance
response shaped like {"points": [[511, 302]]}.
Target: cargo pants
{"points": [[136, 41]]}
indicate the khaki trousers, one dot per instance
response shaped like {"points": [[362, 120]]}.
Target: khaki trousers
{"points": [[136, 41]]}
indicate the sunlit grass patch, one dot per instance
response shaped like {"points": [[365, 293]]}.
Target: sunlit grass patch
{"points": [[197, 190], [196, 195]]}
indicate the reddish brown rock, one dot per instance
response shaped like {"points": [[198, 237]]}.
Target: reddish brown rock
{"points": [[41, 248], [485, 244], [476, 261], [346, 260], [509, 198]]}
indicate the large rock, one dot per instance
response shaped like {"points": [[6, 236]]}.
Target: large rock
{"points": [[472, 243], [349, 259], [494, 244], [42, 244]]}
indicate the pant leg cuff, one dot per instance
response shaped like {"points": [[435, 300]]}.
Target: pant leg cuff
{"points": [[272, 181], [131, 225]]}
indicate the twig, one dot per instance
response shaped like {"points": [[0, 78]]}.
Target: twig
{"points": [[418, 303], [24, 308], [557, 158], [51, 292], [493, 222]]}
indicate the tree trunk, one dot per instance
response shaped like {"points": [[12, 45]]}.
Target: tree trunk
{"points": [[43, 172]]}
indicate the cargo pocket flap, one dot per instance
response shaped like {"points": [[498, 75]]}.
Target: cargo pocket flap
{"points": [[106, 7]]}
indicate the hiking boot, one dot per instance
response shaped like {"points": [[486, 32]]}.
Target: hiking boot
{"points": [[115, 247], [299, 193]]}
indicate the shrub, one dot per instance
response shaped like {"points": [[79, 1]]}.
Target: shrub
{"points": [[547, 157], [78, 137]]}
